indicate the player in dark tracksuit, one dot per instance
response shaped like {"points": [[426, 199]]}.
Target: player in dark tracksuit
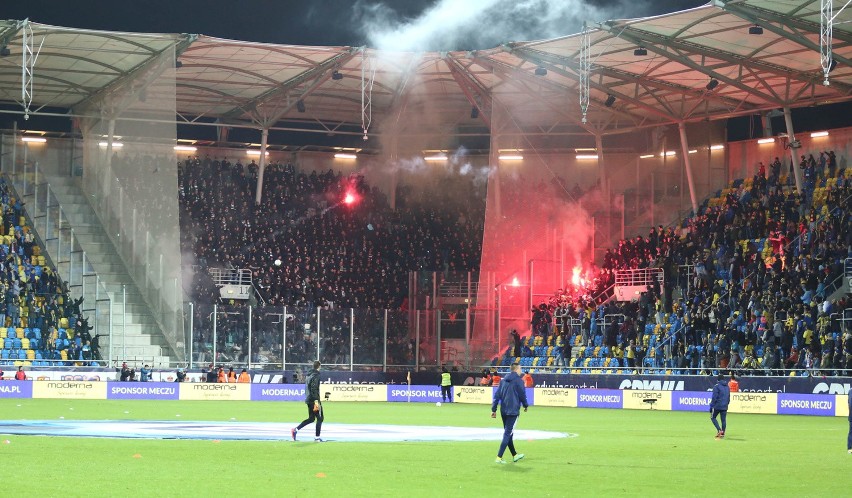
{"points": [[312, 399], [719, 405], [510, 395]]}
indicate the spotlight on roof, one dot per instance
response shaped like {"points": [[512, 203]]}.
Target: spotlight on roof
{"points": [[832, 65], [4, 51], [755, 30], [178, 64], [712, 84], [541, 71], [474, 112], [300, 105], [640, 52], [610, 99], [336, 75]]}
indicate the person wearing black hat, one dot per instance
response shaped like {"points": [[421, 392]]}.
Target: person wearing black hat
{"points": [[719, 405]]}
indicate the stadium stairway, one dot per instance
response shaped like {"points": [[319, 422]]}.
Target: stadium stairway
{"points": [[136, 335]]}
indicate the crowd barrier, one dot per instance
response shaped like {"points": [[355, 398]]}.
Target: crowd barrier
{"points": [[832, 405]]}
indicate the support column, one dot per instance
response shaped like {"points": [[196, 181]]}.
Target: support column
{"points": [[791, 136], [684, 148], [393, 159], [261, 166], [766, 121], [494, 182], [601, 172]]}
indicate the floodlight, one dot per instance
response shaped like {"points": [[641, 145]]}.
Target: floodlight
{"points": [[300, 105], [474, 112], [541, 71], [640, 52], [336, 75], [610, 99], [755, 30], [712, 84]]}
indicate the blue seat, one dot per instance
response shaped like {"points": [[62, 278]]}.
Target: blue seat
{"points": [[17, 344], [37, 333], [4, 354], [10, 332]]}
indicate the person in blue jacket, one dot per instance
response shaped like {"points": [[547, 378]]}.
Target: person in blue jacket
{"points": [[719, 405], [510, 395]]}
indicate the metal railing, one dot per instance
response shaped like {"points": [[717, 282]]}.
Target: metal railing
{"points": [[63, 251]]}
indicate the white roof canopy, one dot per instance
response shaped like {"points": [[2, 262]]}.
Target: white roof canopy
{"points": [[256, 84]]}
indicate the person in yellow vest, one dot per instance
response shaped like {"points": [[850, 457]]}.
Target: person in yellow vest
{"points": [[734, 384], [446, 386], [495, 378], [244, 377], [221, 378], [232, 376]]}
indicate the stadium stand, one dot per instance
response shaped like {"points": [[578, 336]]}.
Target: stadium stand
{"points": [[40, 325], [751, 284]]}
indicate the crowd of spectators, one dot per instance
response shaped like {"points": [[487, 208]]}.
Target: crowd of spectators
{"points": [[747, 282], [39, 322], [309, 250]]}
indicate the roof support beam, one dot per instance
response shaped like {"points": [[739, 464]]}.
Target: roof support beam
{"points": [[738, 8], [316, 73], [686, 61], [137, 70], [478, 96], [768, 21], [734, 59], [552, 62], [511, 75]]}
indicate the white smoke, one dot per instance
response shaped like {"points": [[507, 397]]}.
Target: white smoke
{"points": [[481, 24]]}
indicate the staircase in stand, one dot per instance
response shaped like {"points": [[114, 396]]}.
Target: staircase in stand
{"points": [[136, 336]]}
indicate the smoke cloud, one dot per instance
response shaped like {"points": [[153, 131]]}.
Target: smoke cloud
{"points": [[481, 24]]}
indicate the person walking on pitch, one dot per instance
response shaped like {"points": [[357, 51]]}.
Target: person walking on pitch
{"points": [[312, 399], [510, 395], [719, 405]]}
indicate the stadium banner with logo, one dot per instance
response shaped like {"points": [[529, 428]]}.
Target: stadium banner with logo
{"points": [[69, 389], [690, 401], [424, 394], [215, 392], [599, 398], [482, 395], [555, 396], [353, 392], [16, 389], [696, 383], [806, 404], [143, 390], [749, 402], [277, 392], [639, 400], [841, 406]]}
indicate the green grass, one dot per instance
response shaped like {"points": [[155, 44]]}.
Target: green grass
{"points": [[618, 452]]}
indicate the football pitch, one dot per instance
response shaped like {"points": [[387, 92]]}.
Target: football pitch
{"points": [[608, 452]]}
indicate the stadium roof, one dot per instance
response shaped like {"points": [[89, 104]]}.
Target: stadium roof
{"points": [[260, 85]]}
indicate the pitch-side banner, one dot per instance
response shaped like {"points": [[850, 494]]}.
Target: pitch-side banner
{"points": [[69, 389], [16, 389], [781, 384]]}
